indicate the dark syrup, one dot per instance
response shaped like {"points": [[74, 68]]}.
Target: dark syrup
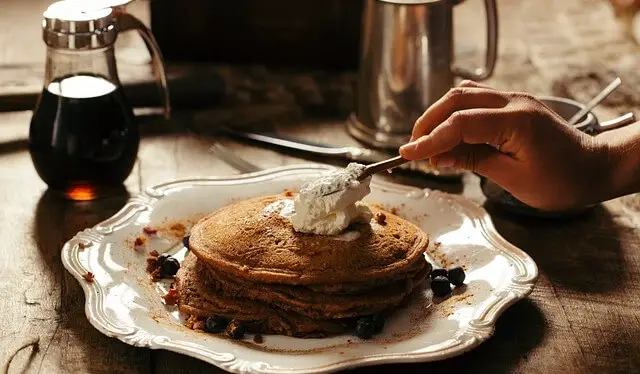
{"points": [[83, 137]]}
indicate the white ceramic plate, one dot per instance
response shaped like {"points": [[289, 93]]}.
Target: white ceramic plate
{"points": [[122, 302]]}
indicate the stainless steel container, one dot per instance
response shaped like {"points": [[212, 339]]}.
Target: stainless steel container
{"points": [[406, 64]]}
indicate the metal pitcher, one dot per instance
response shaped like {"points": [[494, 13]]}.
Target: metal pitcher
{"points": [[406, 64]]}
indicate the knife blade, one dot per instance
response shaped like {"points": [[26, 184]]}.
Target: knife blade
{"points": [[355, 154]]}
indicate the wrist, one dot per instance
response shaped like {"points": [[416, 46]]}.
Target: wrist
{"points": [[620, 153]]}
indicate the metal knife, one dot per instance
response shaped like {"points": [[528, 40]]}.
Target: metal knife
{"points": [[356, 154]]}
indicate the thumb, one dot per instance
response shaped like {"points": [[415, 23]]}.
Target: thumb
{"points": [[481, 159]]}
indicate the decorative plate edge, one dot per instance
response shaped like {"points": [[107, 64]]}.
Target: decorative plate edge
{"points": [[480, 328]]}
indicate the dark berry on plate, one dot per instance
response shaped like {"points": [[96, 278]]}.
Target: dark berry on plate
{"points": [[162, 258], [440, 286], [439, 273], [378, 323], [456, 276], [169, 267], [185, 242], [235, 329], [364, 328], [216, 324]]}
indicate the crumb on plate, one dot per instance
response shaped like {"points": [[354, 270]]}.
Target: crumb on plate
{"points": [[149, 230], [171, 297], [89, 277]]}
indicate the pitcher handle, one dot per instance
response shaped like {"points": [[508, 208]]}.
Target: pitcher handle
{"points": [[492, 47], [128, 22]]}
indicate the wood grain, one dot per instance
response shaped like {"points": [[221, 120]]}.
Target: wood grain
{"points": [[583, 316]]}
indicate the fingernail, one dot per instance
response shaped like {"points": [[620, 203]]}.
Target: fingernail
{"points": [[409, 147], [445, 162]]}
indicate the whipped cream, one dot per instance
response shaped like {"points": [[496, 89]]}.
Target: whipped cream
{"points": [[326, 206]]}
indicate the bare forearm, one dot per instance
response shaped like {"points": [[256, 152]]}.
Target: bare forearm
{"points": [[623, 160]]}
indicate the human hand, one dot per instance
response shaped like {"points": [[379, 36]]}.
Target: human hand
{"points": [[625, 4], [516, 141]]}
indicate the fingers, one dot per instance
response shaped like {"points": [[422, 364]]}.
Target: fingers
{"points": [[480, 158], [459, 98], [472, 126]]}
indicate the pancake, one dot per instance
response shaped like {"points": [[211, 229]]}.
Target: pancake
{"points": [[309, 303], [351, 288], [255, 241], [198, 296]]}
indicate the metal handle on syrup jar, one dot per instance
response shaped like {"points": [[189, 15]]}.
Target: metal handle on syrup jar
{"points": [[491, 56], [126, 22]]}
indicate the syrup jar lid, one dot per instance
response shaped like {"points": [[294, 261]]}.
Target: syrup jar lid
{"points": [[79, 25]]}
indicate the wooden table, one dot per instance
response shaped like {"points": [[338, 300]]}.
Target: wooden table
{"points": [[583, 315]]}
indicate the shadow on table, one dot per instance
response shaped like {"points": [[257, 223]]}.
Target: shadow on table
{"points": [[56, 221], [519, 330], [12, 146], [582, 253]]}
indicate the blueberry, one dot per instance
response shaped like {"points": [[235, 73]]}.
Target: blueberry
{"points": [[440, 286], [162, 258], [216, 324], [456, 276], [169, 267], [439, 273], [235, 329], [365, 328], [378, 323], [185, 242]]}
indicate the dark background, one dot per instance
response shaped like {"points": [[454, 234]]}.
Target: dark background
{"points": [[319, 34]]}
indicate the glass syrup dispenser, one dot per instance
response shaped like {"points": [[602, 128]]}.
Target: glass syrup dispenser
{"points": [[83, 137]]}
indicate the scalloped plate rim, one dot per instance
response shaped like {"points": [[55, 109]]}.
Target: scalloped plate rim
{"points": [[147, 198]]}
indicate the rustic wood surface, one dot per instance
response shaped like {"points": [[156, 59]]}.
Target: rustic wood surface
{"points": [[583, 316]]}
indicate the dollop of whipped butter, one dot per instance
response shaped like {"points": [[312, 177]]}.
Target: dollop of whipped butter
{"points": [[326, 206]]}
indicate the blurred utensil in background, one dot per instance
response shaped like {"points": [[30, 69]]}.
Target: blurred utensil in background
{"points": [[236, 162], [595, 101], [355, 154]]}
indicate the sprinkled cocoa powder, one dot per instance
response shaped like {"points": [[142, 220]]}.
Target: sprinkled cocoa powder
{"points": [[200, 325], [177, 230], [152, 264], [191, 320], [139, 243], [155, 275]]}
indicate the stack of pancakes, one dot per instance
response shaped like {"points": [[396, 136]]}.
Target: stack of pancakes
{"points": [[247, 263]]}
